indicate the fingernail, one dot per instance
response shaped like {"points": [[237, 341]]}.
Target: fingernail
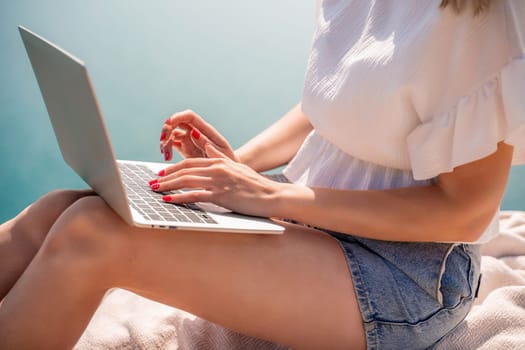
{"points": [[154, 181], [166, 198], [177, 143], [167, 121], [195, 134], [163, 136], [162, 172], [155, 187], [166, 156]]}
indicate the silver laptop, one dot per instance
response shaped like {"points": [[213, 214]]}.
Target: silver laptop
{"points": [[85, 146]]}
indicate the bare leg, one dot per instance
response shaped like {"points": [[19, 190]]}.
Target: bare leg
{"points": [[293, 289], [21, 237]]}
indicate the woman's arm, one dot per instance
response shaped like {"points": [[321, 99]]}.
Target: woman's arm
{"points": [[458, 208], [278, 144]]}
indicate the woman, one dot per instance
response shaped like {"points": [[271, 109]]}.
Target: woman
{"points": [[398, 156]]}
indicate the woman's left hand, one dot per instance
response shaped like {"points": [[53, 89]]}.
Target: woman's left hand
{"points": [[220, 180]]}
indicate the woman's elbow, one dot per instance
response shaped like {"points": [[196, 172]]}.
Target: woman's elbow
{"points": [[474, 224]]}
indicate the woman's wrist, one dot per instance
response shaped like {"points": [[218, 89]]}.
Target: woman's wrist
{"points": [[291, 200], [243, 156], [256, 158]]}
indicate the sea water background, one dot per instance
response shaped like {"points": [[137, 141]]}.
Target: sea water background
{"points": [[238, 63]]}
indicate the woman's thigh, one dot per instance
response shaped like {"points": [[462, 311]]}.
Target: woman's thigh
{"points": [[294, 288]]}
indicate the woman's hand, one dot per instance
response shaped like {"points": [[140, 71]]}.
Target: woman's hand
{"points": [[188, 133], [220, 180]]}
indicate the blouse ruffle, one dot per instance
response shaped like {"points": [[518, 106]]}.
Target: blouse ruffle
{"points": [[320, 163], [471, 130]]}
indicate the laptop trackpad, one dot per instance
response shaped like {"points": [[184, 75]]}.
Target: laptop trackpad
{"points": [[206, 206], [212, 208]]}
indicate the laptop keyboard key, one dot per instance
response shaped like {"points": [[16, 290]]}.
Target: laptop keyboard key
{"points": [[149, 204]]}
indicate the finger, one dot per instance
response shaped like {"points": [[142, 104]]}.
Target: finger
{"points": [[175, 139], [199, 140], [165, 131], [186, 181], [168, 152], [169, 135], [193, 119], [213, 152], [166, 141], [203, 171], [189, 197], [187, 163], [177, 134], [182, 141], [190, 148]]}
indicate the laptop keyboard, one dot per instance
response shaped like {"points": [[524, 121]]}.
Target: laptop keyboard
{"points": [[277, 177], [150, 204]]}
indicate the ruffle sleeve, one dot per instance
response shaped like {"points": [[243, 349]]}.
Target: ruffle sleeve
{"points": [[492, 113], [472, 129]]}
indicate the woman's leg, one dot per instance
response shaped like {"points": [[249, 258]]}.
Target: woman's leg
{"points": [[293, 289], [22, 236]]}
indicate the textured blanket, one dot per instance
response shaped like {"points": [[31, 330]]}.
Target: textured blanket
{"points": [[497, 321]]}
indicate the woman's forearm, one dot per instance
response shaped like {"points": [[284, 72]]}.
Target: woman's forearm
{"points": [[278, 144], [408, 214], [458, 208]]}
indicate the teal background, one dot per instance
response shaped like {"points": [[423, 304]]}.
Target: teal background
{"points": [[238, 63]]}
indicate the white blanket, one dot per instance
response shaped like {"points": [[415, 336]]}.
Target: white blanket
{"points": [[497, 321]]}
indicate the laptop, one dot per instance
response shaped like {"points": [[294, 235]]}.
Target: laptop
{"points": [[83, 139]]}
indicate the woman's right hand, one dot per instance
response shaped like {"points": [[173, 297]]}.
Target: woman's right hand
{"points": [[188, 133]]}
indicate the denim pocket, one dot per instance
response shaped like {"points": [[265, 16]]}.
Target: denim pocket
{"points": [[410, 293], [459, 276]]}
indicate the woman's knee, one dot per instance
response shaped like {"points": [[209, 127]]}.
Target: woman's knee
{"points": [[88, 231], [32, 225], [54, 203], [62, 197]]}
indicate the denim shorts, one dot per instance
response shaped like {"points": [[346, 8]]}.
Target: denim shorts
{"points": [[411, 294]]}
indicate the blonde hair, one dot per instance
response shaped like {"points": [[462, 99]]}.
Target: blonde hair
{"points": [[478, 6]]}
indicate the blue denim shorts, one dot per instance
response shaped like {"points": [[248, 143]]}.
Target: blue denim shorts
{"points": [[411, 294]]}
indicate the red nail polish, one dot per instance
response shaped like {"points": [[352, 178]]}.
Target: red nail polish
{"points": [[177, 143], [167, 121], [166, 198], [154, 181], [163, 136], [166, 156], [195, 134], [155, 187], [162, 172]]}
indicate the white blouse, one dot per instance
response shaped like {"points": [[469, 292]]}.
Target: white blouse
{"points": [[400, 92]]}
